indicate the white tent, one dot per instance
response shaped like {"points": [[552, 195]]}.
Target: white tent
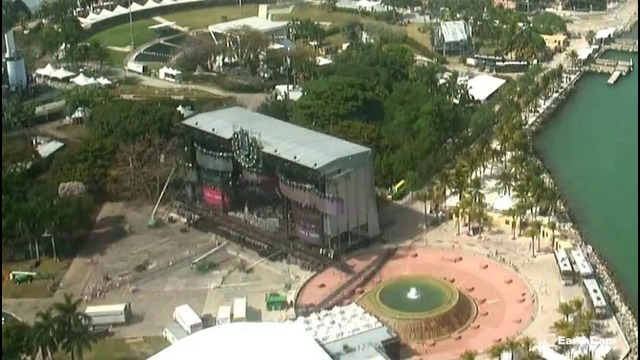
{"points": [[120, 10], [83, 80], [104, 81], [366, 5], [62, 74], [46, 71], [135, 7], [503, 203]]}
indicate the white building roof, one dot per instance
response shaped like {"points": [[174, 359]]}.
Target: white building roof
{"points": [[105, 308], [287, 141], [187, 314], [48, 148], [245, 340], [455, 31], [605, 33], [338, 323], [483, 86], [295, 93], [254, 22], [584, 53]]}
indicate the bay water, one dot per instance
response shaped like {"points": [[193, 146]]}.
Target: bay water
{"points": [[591, 148]]}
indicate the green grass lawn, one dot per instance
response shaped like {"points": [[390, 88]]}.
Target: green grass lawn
{"points": [[122, 349], [116, 58], [202, 18], [49, 269], [120, 35]]}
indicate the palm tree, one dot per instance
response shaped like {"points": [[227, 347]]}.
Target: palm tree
{"points": [[551, 225], [527, 346], [585, 323], [44, 334], [457, 212], [573, 56], [531, 232], [512, 213], [468, 355], [537, 226], [505, 181], [73, 326], [566, 309], [496, 351], [511, 345], [577, 304]]}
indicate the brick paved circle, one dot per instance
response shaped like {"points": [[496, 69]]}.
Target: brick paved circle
{"points": [[505, 303]]}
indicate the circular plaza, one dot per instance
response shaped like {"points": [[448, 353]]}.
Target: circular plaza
{"points": [[440, 302]]}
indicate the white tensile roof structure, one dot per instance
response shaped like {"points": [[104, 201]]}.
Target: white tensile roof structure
{"points": [[256, 23], [62, 74], [104, 81], [308, 148], [584, 53], [46, 71], [83, 80], [293, 92], [246, 340], [483, 86]]}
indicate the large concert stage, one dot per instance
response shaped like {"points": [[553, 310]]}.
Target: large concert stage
{"points": [[281, 178]]}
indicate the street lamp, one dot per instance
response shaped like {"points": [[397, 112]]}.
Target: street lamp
{"points": [[53, 243]]}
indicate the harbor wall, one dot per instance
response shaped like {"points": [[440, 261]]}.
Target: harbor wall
{"points": [[626, 318]]}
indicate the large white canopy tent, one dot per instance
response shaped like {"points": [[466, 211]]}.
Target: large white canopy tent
{"points": [[83, 80], [104, 81], [62, 74], [46, 71]]}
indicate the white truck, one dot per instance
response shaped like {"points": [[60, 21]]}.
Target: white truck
{"points": [[224, 315], [240, 309], [106, 315], [188, 319]]}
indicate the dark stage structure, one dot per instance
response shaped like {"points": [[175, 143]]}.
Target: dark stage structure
{"points": [[281, 186]]}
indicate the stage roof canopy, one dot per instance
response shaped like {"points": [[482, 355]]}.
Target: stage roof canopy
{"points": [[290, 142], [256, 23]]}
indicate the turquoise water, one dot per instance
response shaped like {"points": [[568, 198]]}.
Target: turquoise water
{"points": [[591, 149], [430, 296]]}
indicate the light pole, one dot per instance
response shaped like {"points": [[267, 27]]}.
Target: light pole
{"points": [[131, 26]]}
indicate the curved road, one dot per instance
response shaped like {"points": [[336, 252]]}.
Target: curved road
{"points": [[251, 101]]}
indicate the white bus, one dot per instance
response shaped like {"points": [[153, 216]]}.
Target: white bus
{"points": [[240, 309], [117, 314], [224, 315], [564, 266], [595, 298], [582, 265]]}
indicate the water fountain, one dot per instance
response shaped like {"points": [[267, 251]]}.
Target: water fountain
{"points": [[420, 307], [413, 294]]}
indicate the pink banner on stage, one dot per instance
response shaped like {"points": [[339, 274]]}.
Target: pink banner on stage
{"points": [[214, 196]]}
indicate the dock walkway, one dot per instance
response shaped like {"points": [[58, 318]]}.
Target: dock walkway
{"points": [[614, 77]]}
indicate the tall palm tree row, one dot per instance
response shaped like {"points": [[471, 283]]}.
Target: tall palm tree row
{"points": [[60, 328], [519, 171]]}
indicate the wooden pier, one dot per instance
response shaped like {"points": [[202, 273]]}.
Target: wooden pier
{"points": [[623, 45], [614, 77]]}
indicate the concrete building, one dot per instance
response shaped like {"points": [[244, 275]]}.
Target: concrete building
{"points": [[557, 42], [315, 187]]}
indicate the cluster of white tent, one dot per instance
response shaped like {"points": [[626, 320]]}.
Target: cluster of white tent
{"points": [[83, 80], [53, 73], [62, 74], [105, 14]]}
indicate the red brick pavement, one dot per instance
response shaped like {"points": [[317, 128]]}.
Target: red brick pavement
{"points": [[505, 303]]}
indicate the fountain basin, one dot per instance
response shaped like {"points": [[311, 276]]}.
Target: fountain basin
{"points": [[439, 311]]}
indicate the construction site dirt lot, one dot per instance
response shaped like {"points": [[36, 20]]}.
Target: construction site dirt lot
{"points": [[151, 267]]}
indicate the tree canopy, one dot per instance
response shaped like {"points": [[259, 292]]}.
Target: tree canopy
{"points": [[548, 23], [377, 96]]}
